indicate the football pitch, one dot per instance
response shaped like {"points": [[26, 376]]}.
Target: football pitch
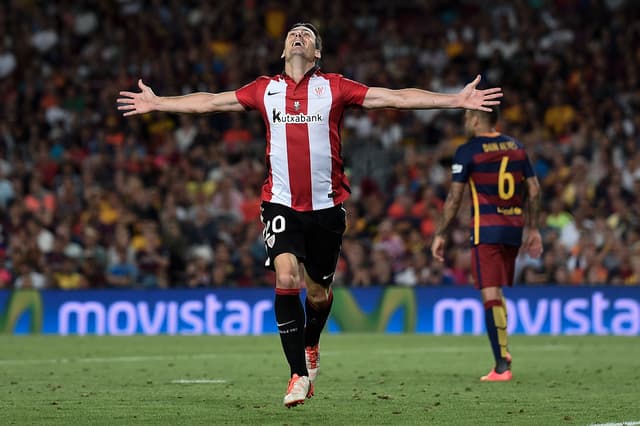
{"points": [[369, 379]]}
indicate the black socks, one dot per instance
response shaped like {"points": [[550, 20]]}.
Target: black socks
{"points": [[316, 319], [290, 320]]}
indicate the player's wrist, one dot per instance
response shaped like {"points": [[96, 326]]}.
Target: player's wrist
{"points": [[158, 103], [455, 101]]}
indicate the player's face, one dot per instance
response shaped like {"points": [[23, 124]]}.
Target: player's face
{"points": [[301, 41]]}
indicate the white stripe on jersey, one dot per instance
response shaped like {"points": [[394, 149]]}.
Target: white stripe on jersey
{"points": [[319, 102], [278, 158]]}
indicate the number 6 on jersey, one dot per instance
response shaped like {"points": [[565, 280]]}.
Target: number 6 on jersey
{"points": [[506, 181]]}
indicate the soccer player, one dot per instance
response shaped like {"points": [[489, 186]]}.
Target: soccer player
{"points": [[302, 197], [501, 178]]}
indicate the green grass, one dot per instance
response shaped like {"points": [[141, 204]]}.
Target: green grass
{"points": [[365, 379]]}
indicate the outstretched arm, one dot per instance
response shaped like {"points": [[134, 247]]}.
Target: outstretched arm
{"points": [[533, 239], [146, 101], [468, 98], [451, 207]]}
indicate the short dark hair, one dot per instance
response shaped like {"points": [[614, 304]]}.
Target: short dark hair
{"points": [[313, 29], [491, 117], [494, 115]]}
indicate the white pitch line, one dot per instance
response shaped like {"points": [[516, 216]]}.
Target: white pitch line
{"points": [[131, 359], [448, 349], [635, 422], [197, 381], [107, 359]]}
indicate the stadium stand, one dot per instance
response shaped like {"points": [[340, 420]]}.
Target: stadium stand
{"points": [[91, 200]]}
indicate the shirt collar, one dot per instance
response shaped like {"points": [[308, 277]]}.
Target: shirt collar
{"points": [[308, 73]]}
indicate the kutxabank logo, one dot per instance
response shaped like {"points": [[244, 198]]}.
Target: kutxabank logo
{"points": [[279, 117]]}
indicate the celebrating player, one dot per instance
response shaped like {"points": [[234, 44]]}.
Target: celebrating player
{"points": [[499, 174], [302, 197]]}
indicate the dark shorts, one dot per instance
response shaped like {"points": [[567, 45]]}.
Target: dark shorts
{"points": [[314, 237], [493, 265]]}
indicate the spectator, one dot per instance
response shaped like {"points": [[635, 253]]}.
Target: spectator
{"points": [[121, 273], [29, 278], [198, 273], [185, 134], [202, 230], [381, 268], [177, 247], [389, 241], [93, 270], [68, 277], [542, 274], [152, 258], [248, 272]]}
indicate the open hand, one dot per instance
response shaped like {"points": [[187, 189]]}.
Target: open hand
{"points": [[137, 103], [483, 100]]}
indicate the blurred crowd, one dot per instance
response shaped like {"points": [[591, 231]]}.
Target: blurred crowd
{"points": [[89, 199]]}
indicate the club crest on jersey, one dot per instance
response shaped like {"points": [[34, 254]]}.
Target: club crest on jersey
{"points": [[296, 105], [271, 240], [319, 91]]}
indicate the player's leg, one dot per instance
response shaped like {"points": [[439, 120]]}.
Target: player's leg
{"points": [[496, 324], [491, 271], [290, 320], [283, 239], [317, 307], [289, 311], [508, 255], [323, 239]]}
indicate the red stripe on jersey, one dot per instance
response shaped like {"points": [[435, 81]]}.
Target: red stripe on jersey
{"points": [[491, 178], [338, 179], [495, 200], [267, 186], [251, 96], [298, 151], [501, 220], [496, 156]]}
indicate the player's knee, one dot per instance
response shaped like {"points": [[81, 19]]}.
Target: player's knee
{"points": [[491, 293], [318, 295], [318, 298], [287, 280]]}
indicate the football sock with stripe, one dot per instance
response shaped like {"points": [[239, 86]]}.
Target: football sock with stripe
{"points": [[506, 315], [290, 321], [316, 319], [496, 321]]}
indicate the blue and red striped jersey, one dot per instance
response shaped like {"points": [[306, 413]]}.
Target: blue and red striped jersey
{"points": [[495, 166]]}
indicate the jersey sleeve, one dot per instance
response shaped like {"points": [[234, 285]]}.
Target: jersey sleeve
{"points": [[247, 95], [352, 91], [461, 166]]}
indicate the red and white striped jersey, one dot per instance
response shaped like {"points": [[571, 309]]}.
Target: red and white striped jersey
{"points": [[303, 122]]}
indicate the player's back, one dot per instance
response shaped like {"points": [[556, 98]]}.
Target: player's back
{"points": [[496, 168]]}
